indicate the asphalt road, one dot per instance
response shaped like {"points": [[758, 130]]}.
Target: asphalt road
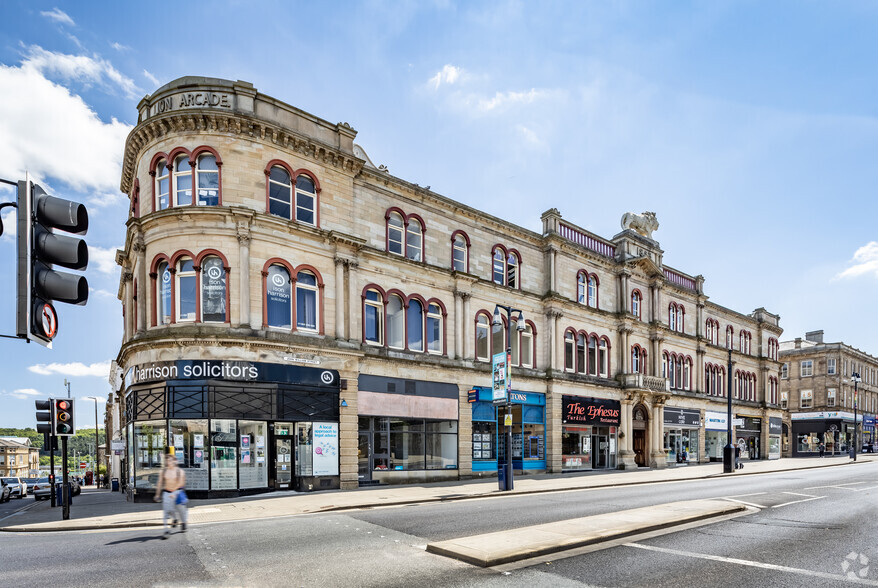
{"points": [[810, 527]]}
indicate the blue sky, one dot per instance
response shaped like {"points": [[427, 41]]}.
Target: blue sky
{"points": [[750, 128]]}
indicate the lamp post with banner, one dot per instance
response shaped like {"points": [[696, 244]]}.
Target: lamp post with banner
{"points": [[855, 378], [501, 385]]}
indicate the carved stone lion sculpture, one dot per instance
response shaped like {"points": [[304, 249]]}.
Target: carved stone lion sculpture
{"points": [[644, 224]]}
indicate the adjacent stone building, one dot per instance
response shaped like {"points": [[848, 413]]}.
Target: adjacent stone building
{"points": [[816, 387], [298, 317], [18, 458]]}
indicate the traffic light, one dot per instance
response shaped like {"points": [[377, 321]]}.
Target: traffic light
{"points": [[39, 250], [45, 419], [62, 421]]}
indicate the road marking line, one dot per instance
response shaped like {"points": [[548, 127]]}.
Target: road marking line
{"points": [[841, 486], [799, 494], [745, 503], [798, 501], [755, 564], [743, 495]]}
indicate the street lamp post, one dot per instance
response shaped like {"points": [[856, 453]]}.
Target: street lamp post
{"points": [[855, 378], [729, 449], [97, 441], [520, 326]]}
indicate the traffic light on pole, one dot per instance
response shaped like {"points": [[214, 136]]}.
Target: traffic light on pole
{"points": [[62, 413], [39, 250], [45, 419]]}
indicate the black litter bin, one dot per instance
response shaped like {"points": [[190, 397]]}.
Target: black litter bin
{"points": [[59, 494], [115, 484], [502, 477]]}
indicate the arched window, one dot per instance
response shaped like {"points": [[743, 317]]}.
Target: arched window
{"points": [[498, 337], [569, 345], [414, 240], [638, 360], [415, 325], [278, 298], [604, 358], [483, 330], [280, 191], [373, 318], [306, 199], [593, 291], [580, 353], [459, 253], [434, 328], [581, 287], [162, 185], [395, 322], [672, 317], [730, 334], [186, 290], [395, 232], [527, 346], [681, 315], [636, 299], [306, 301], [182, 181], [208, 181], [499, 267], [512, 270], [165, 280], [687, 374], [213, 290]]}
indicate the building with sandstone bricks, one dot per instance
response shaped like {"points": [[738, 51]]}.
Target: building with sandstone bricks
{"points": [[297, 317]]}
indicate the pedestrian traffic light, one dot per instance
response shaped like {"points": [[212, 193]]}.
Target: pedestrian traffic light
{"points": [[39, 250], [44, 416], [63, 422]]}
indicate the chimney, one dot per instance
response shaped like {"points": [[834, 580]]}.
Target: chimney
{"points": [[798, 342], [814, 336]]}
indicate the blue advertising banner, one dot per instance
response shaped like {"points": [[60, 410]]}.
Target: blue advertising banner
{"points": [[500, 383]]}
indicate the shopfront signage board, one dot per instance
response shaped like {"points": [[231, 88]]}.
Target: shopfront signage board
{"points": [[682, 417], [590, 411]]}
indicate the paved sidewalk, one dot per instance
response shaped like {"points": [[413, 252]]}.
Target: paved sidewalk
{"points": [[102, 509]]}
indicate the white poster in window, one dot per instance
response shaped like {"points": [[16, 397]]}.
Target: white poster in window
{"points": [[178, 442], [260, 441], [325, 449], [198, 441]]}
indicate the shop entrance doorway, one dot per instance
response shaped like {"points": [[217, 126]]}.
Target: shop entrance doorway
{"points": [[638, 438], [364, 453], [601, 446], [282, 458]]}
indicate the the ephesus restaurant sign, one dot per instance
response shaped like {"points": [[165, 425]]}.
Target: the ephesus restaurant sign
{"points": [[590, 411]]}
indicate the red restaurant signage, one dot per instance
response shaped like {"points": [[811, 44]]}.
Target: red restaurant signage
{"points": [[590, 411]]}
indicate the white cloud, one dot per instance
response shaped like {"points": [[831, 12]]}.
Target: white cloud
{"points": [[50, 132], [529, 136], [23, 393], [10, 223], [865, 261], [59, 16], [75, 369], [79, 68], [120, 47], [152, 79], [448, 75], [501, 99], [103, 259], [106, 199], [101, 293]]}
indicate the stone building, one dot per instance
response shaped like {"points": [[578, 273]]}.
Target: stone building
{"points": [[296, 316], [18, 458], [816, 388]]}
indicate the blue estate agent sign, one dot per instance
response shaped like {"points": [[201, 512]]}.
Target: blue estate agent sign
{"points": [[239, 371]]}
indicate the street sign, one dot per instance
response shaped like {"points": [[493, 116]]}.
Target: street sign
{"points": [[82, 465], [472, 395], [737, 422]]}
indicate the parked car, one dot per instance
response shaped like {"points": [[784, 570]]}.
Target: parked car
{"points": [[18, 489], [30, 484], [868, 448], [42, 489], [5, 491]]}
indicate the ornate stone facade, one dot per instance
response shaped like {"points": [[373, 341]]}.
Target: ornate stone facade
{"points": [[213, 168]]}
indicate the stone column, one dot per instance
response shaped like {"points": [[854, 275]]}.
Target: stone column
{"points": [[656, 301], [551, 256], [355, 315], [552, 318], [464, 433], [624, 351], [128, 294], [657, 429], [468, 343], [623, 292], [339, 298], [245, 316], [348, 461], [140, 249], [626, 424], [656, 363]]}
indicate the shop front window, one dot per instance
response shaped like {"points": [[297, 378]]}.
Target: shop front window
{"points": [[483, 440], [213, 290], [407, 451], [441, 445], [149, 444], [253, 468], [188, 437], [223, 454], [576, 448], [304, 450], [415, 444]]}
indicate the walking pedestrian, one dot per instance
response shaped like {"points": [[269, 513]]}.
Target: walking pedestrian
{"points": [[822, 449], [171, 482]]}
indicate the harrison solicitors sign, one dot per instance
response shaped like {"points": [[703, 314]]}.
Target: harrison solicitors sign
{"points": [[590, 411]]}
